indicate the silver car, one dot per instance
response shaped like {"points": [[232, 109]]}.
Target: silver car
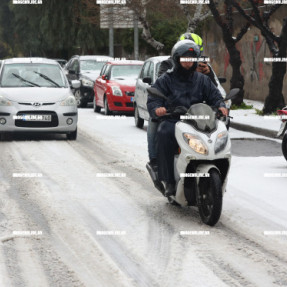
{"points": [[148, 75], [35, 96]]}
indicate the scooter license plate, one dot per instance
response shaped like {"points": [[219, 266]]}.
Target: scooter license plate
{"points": [[282, 129]]}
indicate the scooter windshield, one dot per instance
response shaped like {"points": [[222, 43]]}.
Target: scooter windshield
{"points": [[202, 117]]}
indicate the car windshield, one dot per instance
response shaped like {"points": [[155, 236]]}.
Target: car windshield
{"points": [[91, 65], [32, 75], [125, 71]]}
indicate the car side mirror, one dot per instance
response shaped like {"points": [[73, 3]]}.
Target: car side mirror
{"points": [[76, 84], [222, 80], [147, 80], [104, 77]]}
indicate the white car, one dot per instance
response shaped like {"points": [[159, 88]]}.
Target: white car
{"points": [[35, 96], [148, 76]]}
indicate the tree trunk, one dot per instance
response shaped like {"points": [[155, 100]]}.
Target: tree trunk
{"points": [[237, 80], [275, 100]]}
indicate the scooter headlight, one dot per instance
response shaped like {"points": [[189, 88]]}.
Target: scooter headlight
{"points": [[221, 142], [195, 143]]}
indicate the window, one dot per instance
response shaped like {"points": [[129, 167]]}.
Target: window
{"points": [[103, 70], [75, 66], [144, 72], [151, 71]]}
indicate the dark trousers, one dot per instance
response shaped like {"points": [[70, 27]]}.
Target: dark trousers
{"points": [[167, 146]]}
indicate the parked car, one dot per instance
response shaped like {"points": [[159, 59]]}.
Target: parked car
{"points": [[148, 75], [114, 88], [62, 62], [35, 96], [86, 69]]}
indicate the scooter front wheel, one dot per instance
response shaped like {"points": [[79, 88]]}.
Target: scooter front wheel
{"points": [[284, 146], [210, 189]]}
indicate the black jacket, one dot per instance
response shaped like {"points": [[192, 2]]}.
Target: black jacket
{"points": [[197, 88], [168, 64]]}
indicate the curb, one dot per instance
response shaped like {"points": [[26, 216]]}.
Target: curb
{"points": [[255, 130]]}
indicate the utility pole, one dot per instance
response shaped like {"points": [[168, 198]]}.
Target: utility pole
{"points": [[111, 32], [136, 38]]}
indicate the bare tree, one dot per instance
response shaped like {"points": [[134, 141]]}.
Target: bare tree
{"points": [[194, 15], [277, 46], [226, 24], [138, 7]]}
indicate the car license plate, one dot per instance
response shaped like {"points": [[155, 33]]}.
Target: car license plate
{"points": [[132, 99], [37, 118]]}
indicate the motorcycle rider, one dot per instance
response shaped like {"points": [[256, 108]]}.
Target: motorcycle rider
{"points": [[202, 67], [165, 66], [184, 87]]}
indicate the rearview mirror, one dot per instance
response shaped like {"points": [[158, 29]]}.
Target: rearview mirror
{"points": [[222, 80], [104, 77], [232, 94], [156, 93]]}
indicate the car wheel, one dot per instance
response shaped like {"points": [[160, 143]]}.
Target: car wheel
{"points": [[107, 110], [79, 99], [138, 120], [72, 136], [97, 109]]}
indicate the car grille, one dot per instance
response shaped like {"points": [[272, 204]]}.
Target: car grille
{"points": [[130, 105], [31, 104], [34, 124], [130, 94]]}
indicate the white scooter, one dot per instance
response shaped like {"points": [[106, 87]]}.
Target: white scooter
{"points": [[202, 163]]}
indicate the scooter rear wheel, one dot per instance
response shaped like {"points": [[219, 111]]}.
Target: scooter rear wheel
{"points": [[284, 146], [210, 189]]}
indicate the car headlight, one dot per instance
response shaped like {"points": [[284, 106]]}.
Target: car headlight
{"points": [[69, 101], [4, 101], [87, 83], [221, 142], [117, 91], [195, 143]]}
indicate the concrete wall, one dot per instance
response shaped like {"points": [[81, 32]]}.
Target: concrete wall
{"points": [[255, 71]]}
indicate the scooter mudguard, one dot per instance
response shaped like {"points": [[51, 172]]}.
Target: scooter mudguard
{"points": [[204, 169]]}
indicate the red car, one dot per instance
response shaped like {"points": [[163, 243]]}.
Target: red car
{"points": [[115, 87]]}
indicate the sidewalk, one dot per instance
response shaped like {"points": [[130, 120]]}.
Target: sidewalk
{"points": [[249, 121]]}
